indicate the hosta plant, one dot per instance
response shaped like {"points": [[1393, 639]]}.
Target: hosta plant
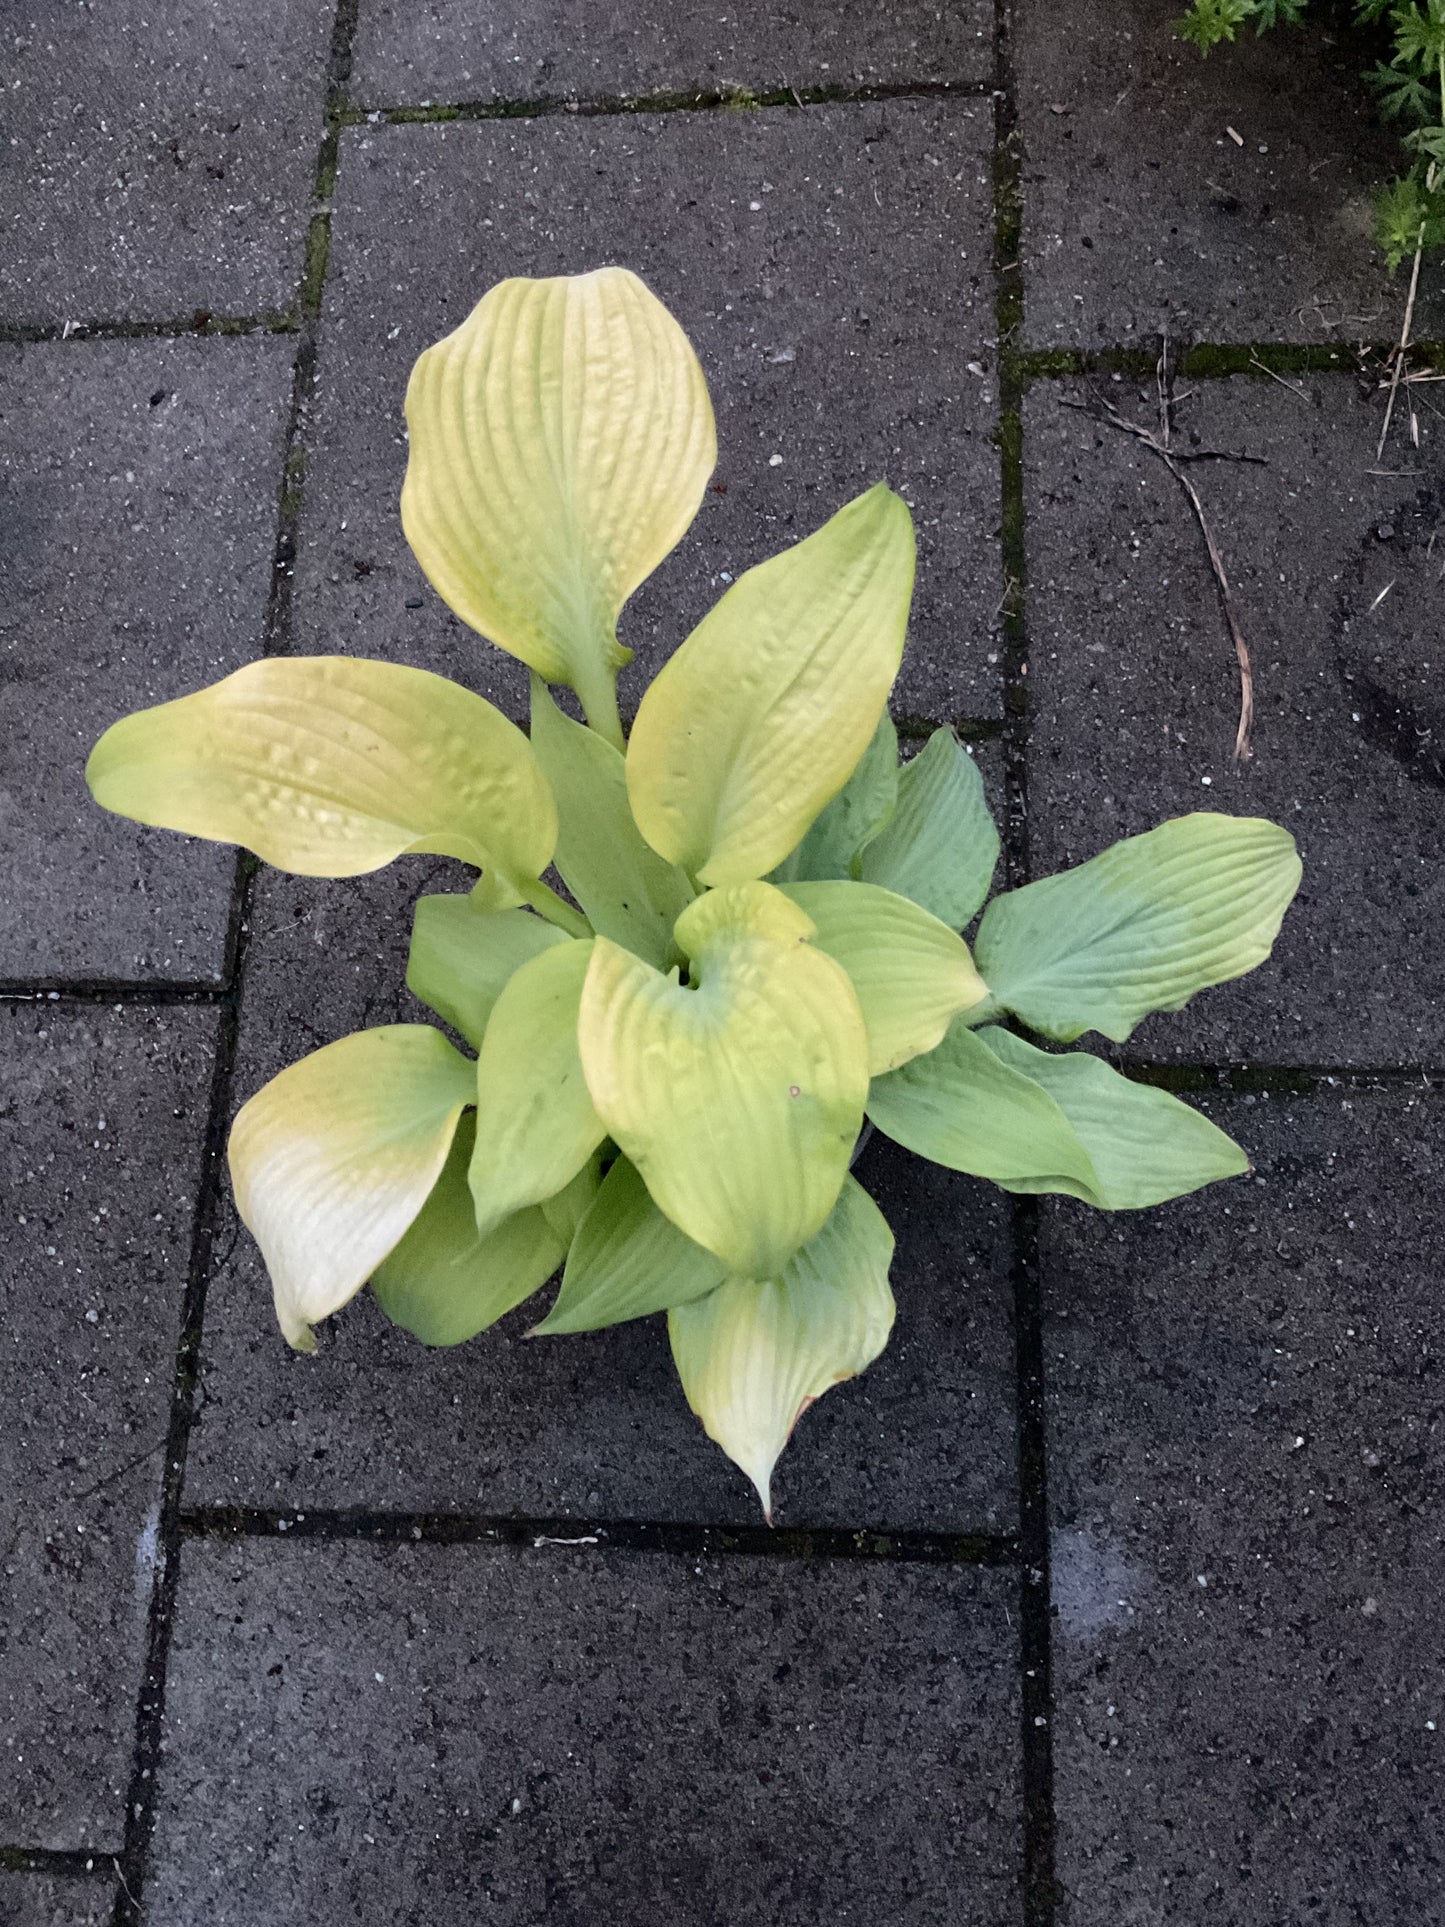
{"points": [[753, 944]]}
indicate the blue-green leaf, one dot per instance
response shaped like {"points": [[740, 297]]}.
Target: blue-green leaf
{"points": [[939, 846], [833, 846], [1140, 928], [1145, 1146], [963, 1107]]}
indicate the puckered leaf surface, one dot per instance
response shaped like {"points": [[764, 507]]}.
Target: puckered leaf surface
{"points": [[331, 766], [761, 716], [561, 440]]}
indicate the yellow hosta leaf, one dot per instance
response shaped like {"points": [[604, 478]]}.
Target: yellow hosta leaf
{"points": [[333, 1160], [753, 1354], [739, 1100], [759, 719], [911, 972], [536, 1127], [331, 766], [561, 440]]}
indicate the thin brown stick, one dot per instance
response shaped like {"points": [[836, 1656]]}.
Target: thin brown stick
{"points": [[1403, 348], [1243, 748]]}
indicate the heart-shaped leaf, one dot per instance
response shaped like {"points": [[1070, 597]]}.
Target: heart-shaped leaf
{"points": [[331, 766], [1140, 928], [628, 1260], [536, 1127], [332, 1161], [462, 955], [739, 1100], [940, 845], [625, 888], [761, 716], [1144, 1145], [561, 440], [911, 972], [753, 1354], [443, 1283]]}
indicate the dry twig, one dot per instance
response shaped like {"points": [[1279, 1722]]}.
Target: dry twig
{"points": [[1403, 348], [1172, 460]]}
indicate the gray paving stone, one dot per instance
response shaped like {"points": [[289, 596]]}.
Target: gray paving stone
{"points": [[832, 266], [1141, 213], [37, 1900], [1246, 1474], [577, 1425], [138, 484], [100, 1138], [471, 50], [157, 162], [1136, 696], [404, 1734]]}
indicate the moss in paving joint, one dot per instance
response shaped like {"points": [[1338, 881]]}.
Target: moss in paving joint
{"points": [[663, 101], [199, 322]]}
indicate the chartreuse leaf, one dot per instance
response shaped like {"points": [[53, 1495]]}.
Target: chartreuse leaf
{"points": [[462, 955], [739, 1101], [332, 1161], [940, 845], [536, 1127], [627, 891], [754, 1353], [628, 1260], [760, 717], [561, 440], [444, 1283], [1145, 1146], [911, 972], [834, 844], [964, 1107], [1140, 928], [331, 766], [570, 1206]]}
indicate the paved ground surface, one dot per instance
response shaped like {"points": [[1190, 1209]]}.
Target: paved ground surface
{"points": [[1111, 1594]]}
